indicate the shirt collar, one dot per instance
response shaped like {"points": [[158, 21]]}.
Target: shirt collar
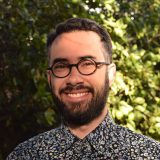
{"points": [[102, 134], [66, 139]]}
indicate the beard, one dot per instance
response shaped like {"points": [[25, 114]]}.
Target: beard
{"points": [[78, 114]]}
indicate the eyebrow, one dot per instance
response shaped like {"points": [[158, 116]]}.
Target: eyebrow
{"points": [[66, 60], [86, 57]]}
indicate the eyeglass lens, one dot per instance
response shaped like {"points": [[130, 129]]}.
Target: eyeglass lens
{"points": [[63, 69]]}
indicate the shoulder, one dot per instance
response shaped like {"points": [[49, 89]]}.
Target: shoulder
{"points": [[138, 144], [40, 143], [135, 138]]}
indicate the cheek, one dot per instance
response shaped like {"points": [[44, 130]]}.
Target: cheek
{"points": [[97, 80], [56, 85], [101, 76]]}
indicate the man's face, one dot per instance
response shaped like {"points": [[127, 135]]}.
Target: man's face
{"points": [[79, 98]]}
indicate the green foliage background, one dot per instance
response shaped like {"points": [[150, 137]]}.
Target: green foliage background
{"points": [[26, 106]]}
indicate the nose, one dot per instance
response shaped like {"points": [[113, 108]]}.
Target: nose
{"points": [[74, 77]]}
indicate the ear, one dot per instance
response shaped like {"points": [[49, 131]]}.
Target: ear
{"points": [[49, 77], [111, 73]]}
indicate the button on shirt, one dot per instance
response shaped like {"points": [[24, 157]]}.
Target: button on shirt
{"points": [[107, 142]]}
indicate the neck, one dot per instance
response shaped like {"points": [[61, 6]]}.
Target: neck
{"points": [[84, 130]]}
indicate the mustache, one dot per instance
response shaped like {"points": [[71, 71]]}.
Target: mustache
{"points": [[70, 88]]}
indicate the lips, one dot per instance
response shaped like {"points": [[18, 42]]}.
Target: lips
{"points": [[77, 95], [76, 89], [74, 99]]}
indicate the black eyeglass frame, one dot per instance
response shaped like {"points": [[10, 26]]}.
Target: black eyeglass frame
{"points": [[97, 65]]}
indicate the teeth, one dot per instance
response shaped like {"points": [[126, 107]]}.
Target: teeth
{"points": [[77, 94]]}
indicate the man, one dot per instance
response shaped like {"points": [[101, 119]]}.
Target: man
{"points": [[80, 73]]}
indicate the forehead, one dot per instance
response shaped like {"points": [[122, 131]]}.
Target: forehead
{"points": [[77, 44]]}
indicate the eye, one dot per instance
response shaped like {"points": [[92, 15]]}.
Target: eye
{"points": [[58, 66], [87, 63]]}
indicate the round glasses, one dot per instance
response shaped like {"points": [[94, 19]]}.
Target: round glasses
{"points": [[84, 67]]}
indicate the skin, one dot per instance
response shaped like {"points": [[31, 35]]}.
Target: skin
{"points": [[72, 47]]}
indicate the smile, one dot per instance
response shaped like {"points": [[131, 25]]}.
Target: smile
{"points": [[77, 95]]}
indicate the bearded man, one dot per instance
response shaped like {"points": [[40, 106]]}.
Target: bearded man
{"points": [[80, 73]]}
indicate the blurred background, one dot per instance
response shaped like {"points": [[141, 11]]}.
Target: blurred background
{"points": [[26, 106]]}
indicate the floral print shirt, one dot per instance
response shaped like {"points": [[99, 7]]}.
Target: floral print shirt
{"points": [[107, 142]]}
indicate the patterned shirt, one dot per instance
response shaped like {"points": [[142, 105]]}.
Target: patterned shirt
{"points": [[107, 142]]}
